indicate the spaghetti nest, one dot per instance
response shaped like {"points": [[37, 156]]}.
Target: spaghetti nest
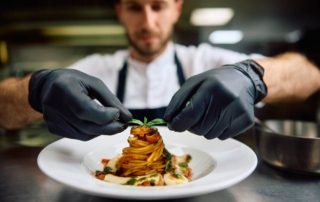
{"points": [[144, 155]]}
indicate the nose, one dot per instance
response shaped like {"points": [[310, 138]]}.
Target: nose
{"points": [[149, 18]]}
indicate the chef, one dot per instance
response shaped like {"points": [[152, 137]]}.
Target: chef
{"points": [[207, 90]]}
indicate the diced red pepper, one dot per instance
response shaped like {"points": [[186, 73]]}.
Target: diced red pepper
{"points": [[152, 138], [105, 161], [101, 176], [145, 184]]}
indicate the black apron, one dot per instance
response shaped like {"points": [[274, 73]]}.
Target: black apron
{"points": [[151, 113]]}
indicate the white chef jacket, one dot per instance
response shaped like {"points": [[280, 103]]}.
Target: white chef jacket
{"points": [[153, 85]]}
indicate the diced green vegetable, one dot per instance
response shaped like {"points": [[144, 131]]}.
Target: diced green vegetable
{"points": [[167, 154], [132, 181], [107, 170], [183, 165], [169, 166], [176, 175], [142, 178]]}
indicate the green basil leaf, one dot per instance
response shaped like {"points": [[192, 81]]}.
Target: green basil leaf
{"points": [[136, 121], [145, 120], [156, 122]]}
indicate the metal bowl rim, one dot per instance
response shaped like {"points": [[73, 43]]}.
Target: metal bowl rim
{"points": [[265, 131]]}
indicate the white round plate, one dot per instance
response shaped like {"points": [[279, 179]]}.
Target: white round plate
{"points": [[215, 164]]}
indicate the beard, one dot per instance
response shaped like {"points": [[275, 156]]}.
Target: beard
{"points": [[148, 50]]}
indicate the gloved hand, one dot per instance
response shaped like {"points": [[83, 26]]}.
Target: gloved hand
{"points": [[66, 98], [219, 102]]}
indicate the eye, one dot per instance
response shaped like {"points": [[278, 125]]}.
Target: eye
{"points": [[158, 6], [133, 7]]}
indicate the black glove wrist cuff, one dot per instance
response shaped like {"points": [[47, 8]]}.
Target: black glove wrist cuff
{"points": [[255, 72], [36, 84]]}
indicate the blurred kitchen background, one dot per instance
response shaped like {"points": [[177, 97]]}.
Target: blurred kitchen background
{"points": [[37, 34]]}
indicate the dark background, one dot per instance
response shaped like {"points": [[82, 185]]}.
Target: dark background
{"points": [[268, 27]]}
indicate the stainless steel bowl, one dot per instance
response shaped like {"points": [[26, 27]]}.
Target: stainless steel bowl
{"points": [[291, 145]]}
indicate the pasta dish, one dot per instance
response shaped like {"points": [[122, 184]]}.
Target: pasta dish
{"points": [[145, 162]]}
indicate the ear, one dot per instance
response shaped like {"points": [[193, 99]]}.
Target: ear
{"points": [[178, 7], [117, 8]]}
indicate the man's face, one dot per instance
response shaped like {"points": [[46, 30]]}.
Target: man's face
{"points": [[149, 23]]}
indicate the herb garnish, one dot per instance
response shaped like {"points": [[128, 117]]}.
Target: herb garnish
{"points": [[147, 123]]}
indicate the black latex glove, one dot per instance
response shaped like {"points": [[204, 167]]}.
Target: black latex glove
{"points": [[66, 99], [219, 102]]}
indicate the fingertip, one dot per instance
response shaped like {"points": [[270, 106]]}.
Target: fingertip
{"points": [[125, 114], [215, 133], [172, 109], [170, 126], [86, 138], [114, 128], [177, 125], [126, 117], [173, 128], [222, 138], [167, 116], [170, 113], [124, 126]]}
